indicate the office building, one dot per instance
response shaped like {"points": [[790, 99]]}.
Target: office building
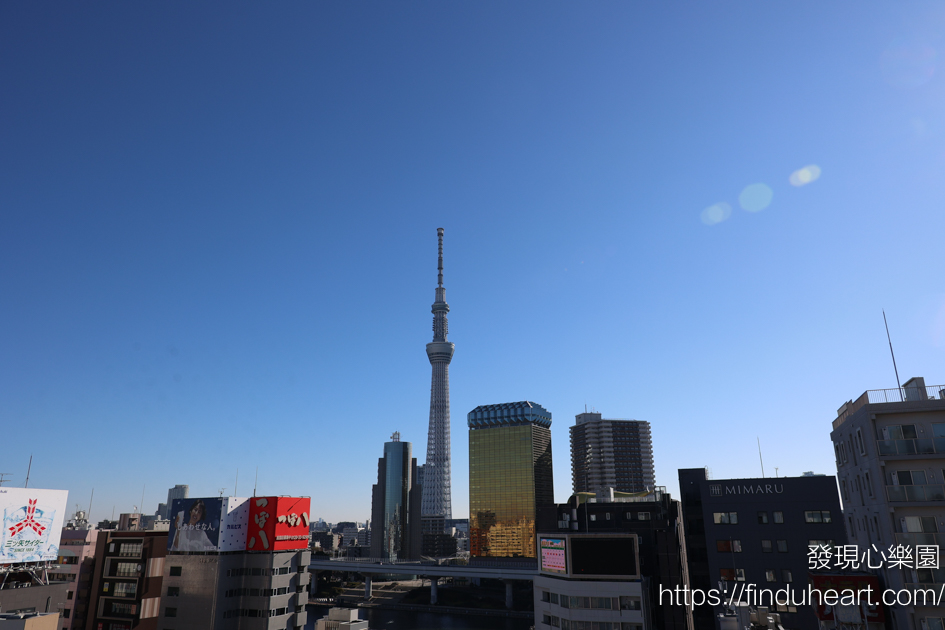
{"points": [[437, 499], [655, 519], [890, 452], [395, 505], [237, 563], [510, 477], [614, 454], [29, 550], [126, 580], [757, 531]]}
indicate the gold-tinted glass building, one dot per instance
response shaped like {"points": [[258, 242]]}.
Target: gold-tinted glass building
{"points": [[510, 475]]}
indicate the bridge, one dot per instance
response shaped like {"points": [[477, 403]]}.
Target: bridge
{"points": [[507, 571]]}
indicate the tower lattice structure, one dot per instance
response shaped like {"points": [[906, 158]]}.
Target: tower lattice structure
{"points": [[436, 472]]}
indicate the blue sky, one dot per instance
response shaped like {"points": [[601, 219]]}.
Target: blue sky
{"points": [[218, 232]]}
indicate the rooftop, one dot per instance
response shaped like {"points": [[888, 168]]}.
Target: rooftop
{"points": [[913, 391], [508, 414]]}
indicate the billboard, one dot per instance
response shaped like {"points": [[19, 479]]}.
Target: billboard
{"points": [[208, 524], [553, 555], [32, 524], [278, 523], [867, 588]]}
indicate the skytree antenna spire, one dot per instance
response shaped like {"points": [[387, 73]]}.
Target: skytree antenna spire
{"points": [[436, 472]]}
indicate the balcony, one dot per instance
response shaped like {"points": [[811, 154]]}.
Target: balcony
{"points": [[920, 446], [930, 492], [913, 538]]}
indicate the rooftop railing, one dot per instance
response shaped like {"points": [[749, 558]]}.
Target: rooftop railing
{"points": [[895, 395]]}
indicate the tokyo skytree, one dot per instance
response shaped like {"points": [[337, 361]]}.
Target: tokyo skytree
{"points": [[436, 472]]}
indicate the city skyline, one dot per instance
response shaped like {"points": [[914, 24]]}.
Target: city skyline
{"points": [[216, 249]]}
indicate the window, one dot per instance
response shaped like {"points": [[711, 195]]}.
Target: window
{"points": [[820, 543], [593, 517], [175, 571], [607, 516], [766, 546], [817, 516], [545, 596], [170, 612], [629, 603], [554, 598], [762, 518], [782, 546], [173, 591], [733, 575], [69, 594], [900, 432], [643, 516], [869, 483], [769, 575], [726, 518], [779, 517], [65, 613], [859, 442], [909, 478], [786, 576], [933, 623]]}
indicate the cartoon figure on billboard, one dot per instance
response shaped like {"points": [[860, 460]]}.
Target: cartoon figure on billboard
{"points": [[193, 529]]}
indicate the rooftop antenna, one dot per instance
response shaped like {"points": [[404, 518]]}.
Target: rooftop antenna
{"points": [[2, 475], [28, 469], [222, 491], [761, 459], [439, 266], [236, 485], [141, 509], [775, 472], [256, 481], [892, 353], [90, 503]]}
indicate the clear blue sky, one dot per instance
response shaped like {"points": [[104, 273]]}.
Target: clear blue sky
{"points": [[218, 231]]}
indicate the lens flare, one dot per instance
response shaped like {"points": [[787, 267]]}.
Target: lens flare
{"points": [[716, 213], [804, 176], [908, 62], [755, 197]]}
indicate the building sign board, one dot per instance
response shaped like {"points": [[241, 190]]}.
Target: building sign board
{"points": [[278, 523], [32, 524], [553, 554]]}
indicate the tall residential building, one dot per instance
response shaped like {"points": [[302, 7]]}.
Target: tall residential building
{"points": [[757, 531], [436, 471], [890, 451], [614, 454], [510, 477], [395, 504], [236, 563]]}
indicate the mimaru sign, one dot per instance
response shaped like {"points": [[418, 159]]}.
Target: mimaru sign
{"points": [[715, 490]]}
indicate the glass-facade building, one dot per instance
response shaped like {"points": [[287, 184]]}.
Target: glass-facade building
{"points": [[510, 475], [395, 509]]}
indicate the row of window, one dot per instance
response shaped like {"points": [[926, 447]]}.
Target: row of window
{"points": [[738, 575], [259, 572], [253, 612], [735, 546], [255, 592], [810, 516], [567, 624], [640, 516], [599, 603]]}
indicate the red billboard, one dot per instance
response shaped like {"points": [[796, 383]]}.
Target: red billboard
{"points": [[868, 597], [278, 523]]}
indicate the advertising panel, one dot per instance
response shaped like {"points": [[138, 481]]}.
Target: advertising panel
{"points": [[278, 523], [32, 524], [553, 554], [195, 524]]}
